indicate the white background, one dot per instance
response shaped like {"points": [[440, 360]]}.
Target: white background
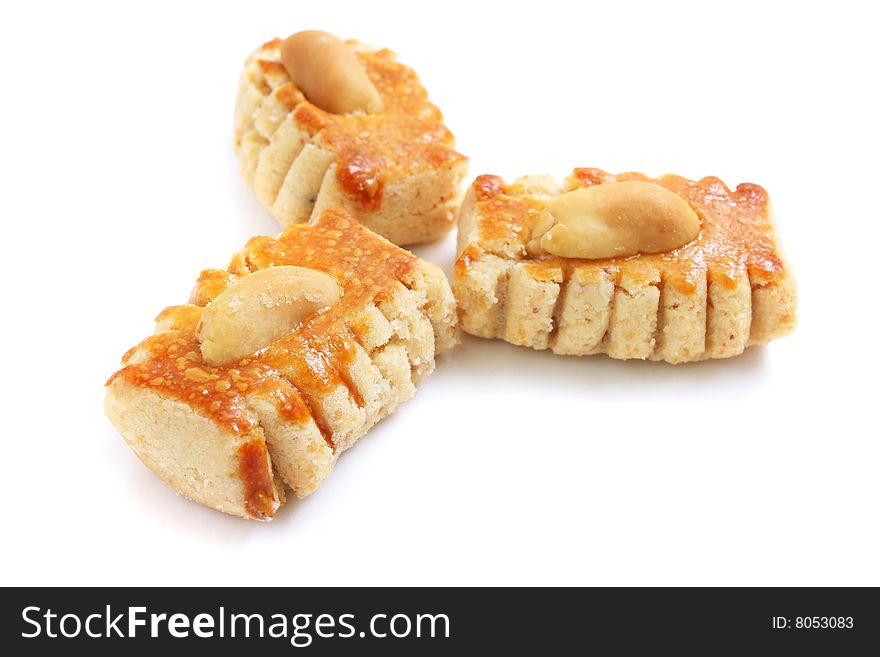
{"points": [[119, 184]]}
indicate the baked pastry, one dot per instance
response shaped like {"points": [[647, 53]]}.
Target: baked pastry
{"points": [[322, 123], [667, 269], [280, 363]]}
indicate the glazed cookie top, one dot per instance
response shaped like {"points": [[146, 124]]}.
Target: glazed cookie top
{"points": [[296, 362], [722, 231], [371, 110]]}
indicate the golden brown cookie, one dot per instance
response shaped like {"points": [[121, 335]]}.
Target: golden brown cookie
{"points": [[634, 267], [321, 123], [281, 362]]}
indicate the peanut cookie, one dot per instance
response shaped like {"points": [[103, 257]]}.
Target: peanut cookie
{"points": [[626, 265], [323, 123], [280, 362]]}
